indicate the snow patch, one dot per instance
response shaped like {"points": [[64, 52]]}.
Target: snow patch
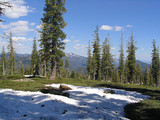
{"points": [[84, 103]]}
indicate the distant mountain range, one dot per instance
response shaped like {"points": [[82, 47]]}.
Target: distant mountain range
{"points": [[77, 62]]}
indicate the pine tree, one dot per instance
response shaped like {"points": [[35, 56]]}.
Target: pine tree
{"points": [[107, 61], [3, 61], [35, 59], [131, 60], [11, 64], [116, 77], [44, 51], [52, 33], [126, 72], [89, 62], [21, 68], [146, 76], [59, 68], [96, 54], [151, 83], [27, 71], [73, 74], [67, 66], [139, 74], [155, 64], [93, 67], [121, 61]]}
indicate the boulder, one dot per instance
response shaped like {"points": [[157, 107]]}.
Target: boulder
{"points": [[109, 91], [64, 87], [51, 90], [55, 91]]}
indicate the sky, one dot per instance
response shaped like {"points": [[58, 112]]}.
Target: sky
{"points": [[112, 16]]}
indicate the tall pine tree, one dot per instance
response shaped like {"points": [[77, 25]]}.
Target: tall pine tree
{"points": [[53, 23], [89, 62], [107, 61], [96, 54], [139, 74], [60, 68], [3, 62], [11, 64], [44, 51], [21, 68], [146, 76], [131, 60], [35, 59], [121, 67], [155, 64]]}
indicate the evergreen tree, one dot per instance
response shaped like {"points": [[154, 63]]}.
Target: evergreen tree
{"points": [[35, 59], [27, 71], [73, 74], [146, 76], [67, 66], [21, 68], [96, 54], [59, 68], [116, 77], [89, 62], [11, 64], [131, 60], [93, 67], [3, 62], [82, 74], [107, 61], [155, 64], [121, 61], [52, 33], [139, 74], [151, 83], [126, 72], [44, 51]]}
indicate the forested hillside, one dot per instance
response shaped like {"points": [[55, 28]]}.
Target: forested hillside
{"points": [[77, 63]]}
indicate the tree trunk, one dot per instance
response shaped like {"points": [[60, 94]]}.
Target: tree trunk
{"points": [[89, 77], [3, 68], [53, 71], [94, 75], [60, 73], [45, 68]]}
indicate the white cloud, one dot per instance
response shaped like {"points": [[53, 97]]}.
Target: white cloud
{"points": [[129, 26], [75, 41], [106, 27], [19, 8], [79, 46], [21, 39], [21, 48], [18, 28], [118, 28], [67, 40], [113, 48], [32, 24]]}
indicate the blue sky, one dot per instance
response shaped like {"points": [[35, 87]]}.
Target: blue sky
{"points": [[112, 16]]}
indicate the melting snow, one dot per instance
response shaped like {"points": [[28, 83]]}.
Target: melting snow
{"points": [[84, 103]]}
